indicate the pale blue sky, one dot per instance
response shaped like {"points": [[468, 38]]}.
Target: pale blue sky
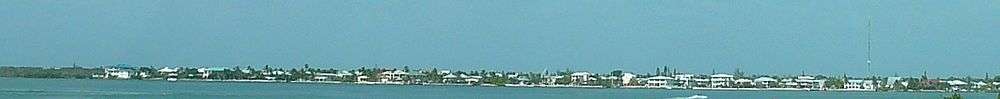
{"points": [[947, 37]]}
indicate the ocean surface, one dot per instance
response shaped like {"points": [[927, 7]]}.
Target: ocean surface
{"points": [[26, 88]]}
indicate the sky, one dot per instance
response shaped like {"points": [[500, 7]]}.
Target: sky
{"points": [[943, 37]]}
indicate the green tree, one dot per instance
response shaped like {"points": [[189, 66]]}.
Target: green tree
{"points": [[954, 96], [835, 83], [498, 80]]}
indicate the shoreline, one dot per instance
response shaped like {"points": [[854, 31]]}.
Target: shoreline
{"points": [[506, 86]]}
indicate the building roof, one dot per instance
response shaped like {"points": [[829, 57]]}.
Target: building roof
{"points": [[806, 77], [859, 81], [397, 72], [744, 80], [722, 75], [450, 76], [660, 77], [765, 79], [810, 81], [956, 82], [165, 69], [580, 74], [212, 69], [684, 75], [979, 83]]}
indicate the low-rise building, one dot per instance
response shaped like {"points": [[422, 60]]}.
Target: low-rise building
{"points": [[659, 81], [685, 79], [118, 73], [581, 78], [392, 76], [809, 82], [765, 82], [859, 84], [721, 80]]}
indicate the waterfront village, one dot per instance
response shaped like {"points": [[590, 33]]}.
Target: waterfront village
{"points": [[663, 78]]}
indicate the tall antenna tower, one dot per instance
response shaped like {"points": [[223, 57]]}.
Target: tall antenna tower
{"points": [[868, 57]]}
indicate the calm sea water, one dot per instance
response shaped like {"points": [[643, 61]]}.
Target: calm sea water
{"points": [[23, 88]]}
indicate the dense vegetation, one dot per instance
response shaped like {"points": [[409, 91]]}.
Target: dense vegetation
{"points": [[38, 72]]}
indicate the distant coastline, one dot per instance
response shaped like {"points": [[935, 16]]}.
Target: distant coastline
{"points": [[664, 78]]}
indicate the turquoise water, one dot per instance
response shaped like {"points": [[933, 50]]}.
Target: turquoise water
{"points": [[21, 88]]}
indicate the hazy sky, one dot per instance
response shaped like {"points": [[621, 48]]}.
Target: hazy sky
{"points": [[946, 37]]}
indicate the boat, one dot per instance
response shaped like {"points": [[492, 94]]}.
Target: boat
{"points": [[172, 79], [697, 96]]}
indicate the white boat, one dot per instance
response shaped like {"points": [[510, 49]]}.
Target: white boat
{"points": [[692, 97], [171, 79], [697, 97]]}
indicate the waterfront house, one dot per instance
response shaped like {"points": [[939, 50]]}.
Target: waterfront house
{"points": [[859, 84], [808, 82], [765, 82], [118, 73], [701, 82], [957, 85], [331, 76], [627, 79], [450, 78], [168, 73], [743, 83], [416, 76], [271, 74], [978, 85], [469, 79], [360, 77], [581, 78], [788, 83], [551, 80], [721, 80], [392, 76], [659, 81], [521, 80], [167, 70], [206, 72], [684, 79]]}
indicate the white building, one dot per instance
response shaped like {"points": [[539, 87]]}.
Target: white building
{"points": [[451, 79], [658, 81], [552, 79], [809, 82], [169, 73], [470, 79], [627, 79], [392, 76], [743, 83], [581, 78], [327, 76], [957, 85], [117, 73], [721, 80], [860, 84], [685, 79], [979, 84], [765, 82]]}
